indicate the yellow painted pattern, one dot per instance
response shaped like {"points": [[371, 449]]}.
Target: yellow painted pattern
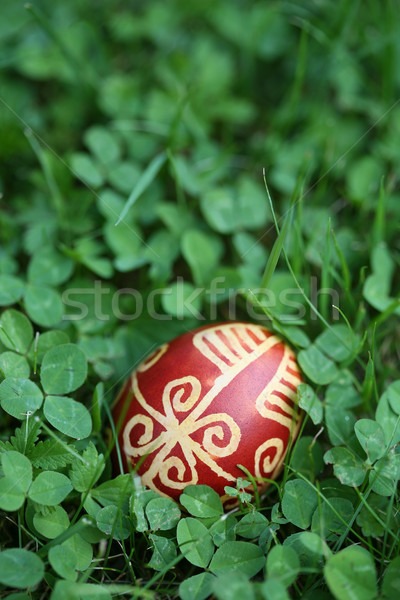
{"points": [[176, 432], [232, 349]]}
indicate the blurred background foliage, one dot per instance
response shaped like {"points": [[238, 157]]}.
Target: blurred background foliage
{"points": [[171, 110], [133, 140]]}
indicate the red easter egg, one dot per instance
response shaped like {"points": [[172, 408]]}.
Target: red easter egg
{"points": [[210, 399]]}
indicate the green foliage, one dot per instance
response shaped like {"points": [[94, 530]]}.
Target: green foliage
{"points": [[111, 522], [50, 488], [233, 585], [195, 541], [133, 209], [162, 514], [17, 479], [16, 331], [242, 557], [197, 587], [251, 525], [63, 369], [201, 501], [164, 552], [299, 502], [85, 473], [309, 401], [228, 210], [318, 367], [390, 585], [20, 397], [351, 574], [63, 562], [283, 563], [51, 523], [68, 416], [20, 568]]}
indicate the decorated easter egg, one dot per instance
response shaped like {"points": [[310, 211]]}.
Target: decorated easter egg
{"points": [[212, 399]]}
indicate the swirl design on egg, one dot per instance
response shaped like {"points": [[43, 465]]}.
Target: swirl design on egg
{"points": [[219, 426], [183, 430]]}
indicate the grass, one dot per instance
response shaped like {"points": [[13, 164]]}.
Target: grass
{"points": [[158, 148]]}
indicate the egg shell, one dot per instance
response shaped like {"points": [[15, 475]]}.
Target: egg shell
{"points": [[209, 400]]}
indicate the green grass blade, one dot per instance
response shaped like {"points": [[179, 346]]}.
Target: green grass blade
{"points": [[275, 253], [343, 263], [379, 226], [278, 245], [310, 304], [48, 173], [178, 185], [143, 183], [325, 275]]}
